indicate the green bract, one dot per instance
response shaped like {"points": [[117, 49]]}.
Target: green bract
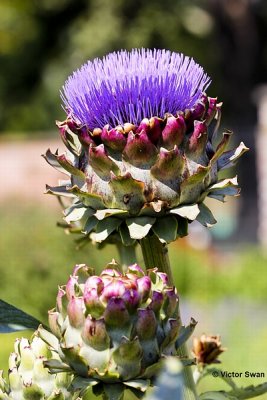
{"points": [[126, 181], [28, 379], [113, 329]]}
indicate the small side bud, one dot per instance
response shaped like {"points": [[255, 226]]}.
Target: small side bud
{"points": [[207, 349]]}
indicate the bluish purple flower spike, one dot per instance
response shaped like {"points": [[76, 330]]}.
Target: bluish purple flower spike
{"points": [[129, 86]]}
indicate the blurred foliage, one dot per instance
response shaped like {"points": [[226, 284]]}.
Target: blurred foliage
{"points": [[43, 41]]}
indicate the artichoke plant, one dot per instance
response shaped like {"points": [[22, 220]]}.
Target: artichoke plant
{"points": [[28, 379], [143, 147], [113, 330]]}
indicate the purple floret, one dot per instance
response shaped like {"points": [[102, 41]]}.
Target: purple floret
{"points": [[129, 86]]}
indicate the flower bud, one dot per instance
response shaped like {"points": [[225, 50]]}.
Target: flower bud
{"points": [[207, 349], [75, 311]]}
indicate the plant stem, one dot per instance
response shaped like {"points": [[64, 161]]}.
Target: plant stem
{"points": [[249, 392], [127, 255], [155, 254]]}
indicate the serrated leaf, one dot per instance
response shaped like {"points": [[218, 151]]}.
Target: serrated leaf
{"points": [[166, 229], [205, 217], [105, 227], [189, 212], [139, 226], [13, 319]]}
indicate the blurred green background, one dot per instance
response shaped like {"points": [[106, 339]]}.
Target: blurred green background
{"points": [[220, 274]]}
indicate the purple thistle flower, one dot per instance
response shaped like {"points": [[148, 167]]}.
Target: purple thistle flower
{"points": [[129, 86], [146, 145]]}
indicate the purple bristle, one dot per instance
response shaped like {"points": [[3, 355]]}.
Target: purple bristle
{"points": [[129, 86]]}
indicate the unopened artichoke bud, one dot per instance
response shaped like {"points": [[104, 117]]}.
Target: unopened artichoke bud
{"points": [[143, 147], [207, 349], [115, 327], [28, 379]]}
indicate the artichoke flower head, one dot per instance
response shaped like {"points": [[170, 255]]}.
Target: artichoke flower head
{"points": [[28, 378], [111, 331], [143, 151]]}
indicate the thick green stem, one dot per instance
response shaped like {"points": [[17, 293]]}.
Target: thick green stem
{"points": [[127, 255], [156, 255]]}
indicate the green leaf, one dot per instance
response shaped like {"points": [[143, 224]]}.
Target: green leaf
{"points": [[13, 319], [229, 158], [105, 227], [90, 225], [125, 235], [88, 199], [56, 366], [107, 212], [59, 191], [182, 227], [224, 187], [113, 391], [221, 193], [221, 146], [48, 337], [139, 226], [138, 384], [75, 213], [152, 370], [166, 229], [189, 212], [205, 216], [79, 383], [53, 161], [128, 193], [224, 183], [185, 333], [68, 166]]}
